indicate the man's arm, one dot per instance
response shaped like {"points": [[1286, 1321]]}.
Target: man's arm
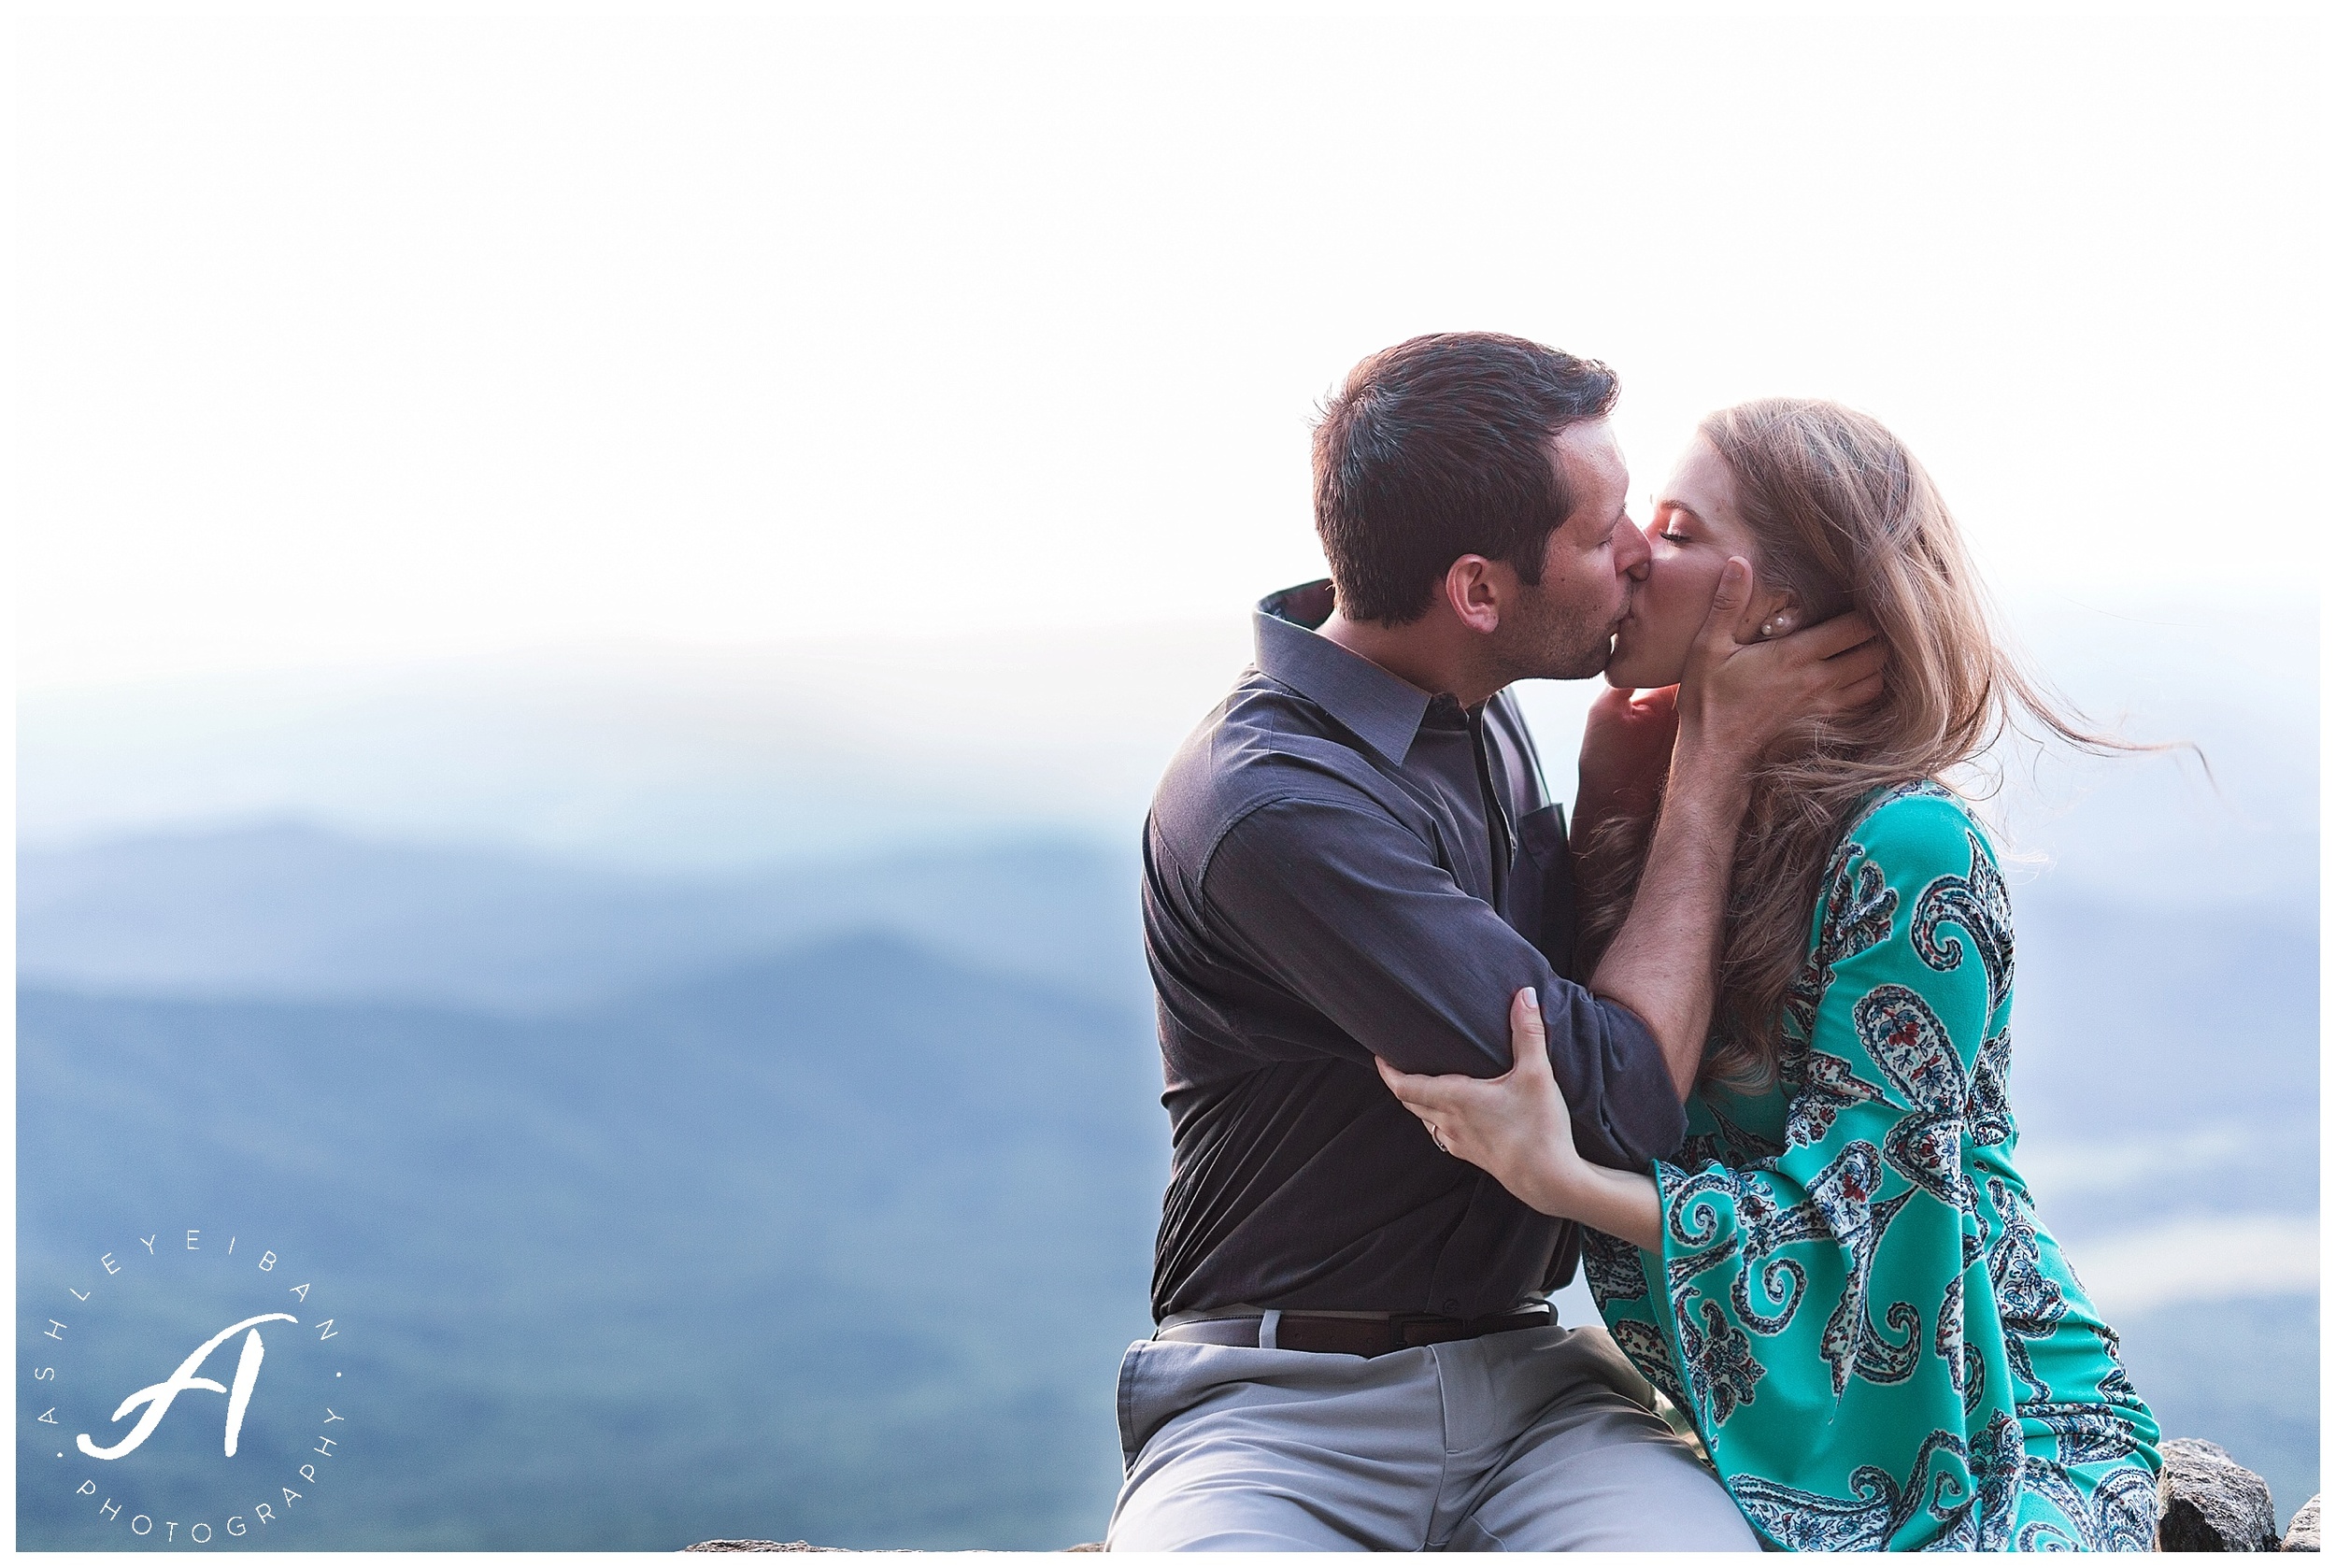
{"points": [[1344, 908], [1734, 700]]}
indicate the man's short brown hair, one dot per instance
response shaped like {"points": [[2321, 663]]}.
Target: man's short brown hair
{"points": [[1439, 448]]}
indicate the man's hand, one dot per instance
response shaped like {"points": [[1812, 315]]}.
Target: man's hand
{"points": [[1738, 699]]}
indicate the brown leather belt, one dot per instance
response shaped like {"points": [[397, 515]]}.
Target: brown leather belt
{"points": [[1352, 1335]]}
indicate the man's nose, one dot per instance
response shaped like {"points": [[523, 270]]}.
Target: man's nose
{"points": [[1633, 555]]}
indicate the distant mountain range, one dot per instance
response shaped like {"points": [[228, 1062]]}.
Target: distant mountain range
{"points": [[287, 909], [716, 760], [2210, 1012], [844, 1245], [817, 1202]]}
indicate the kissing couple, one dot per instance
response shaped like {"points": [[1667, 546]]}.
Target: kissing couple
{"points": [[1736, 1042]]}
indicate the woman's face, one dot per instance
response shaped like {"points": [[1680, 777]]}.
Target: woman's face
{"points": [[1695, 529]]}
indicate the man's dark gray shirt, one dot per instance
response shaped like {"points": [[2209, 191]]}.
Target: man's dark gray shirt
{"points": [[1339, 866]]}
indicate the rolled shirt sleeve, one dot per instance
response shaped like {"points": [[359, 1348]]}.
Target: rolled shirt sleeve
{"points": [[1349, 912]]}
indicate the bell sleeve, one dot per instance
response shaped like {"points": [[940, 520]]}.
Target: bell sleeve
{"points": [[1810, 1308]]}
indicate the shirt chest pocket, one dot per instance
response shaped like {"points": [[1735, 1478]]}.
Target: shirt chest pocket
{"points": [[1541, 888]]}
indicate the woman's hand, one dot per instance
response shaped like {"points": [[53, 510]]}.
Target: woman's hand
{"points": [[1515, 1126], [1737, 699]]}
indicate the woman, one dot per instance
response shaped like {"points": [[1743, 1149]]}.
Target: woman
{"points": [[1842, 1276]]}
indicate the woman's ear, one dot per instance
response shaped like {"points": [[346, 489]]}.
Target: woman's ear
{"points": [[1773, 614]]}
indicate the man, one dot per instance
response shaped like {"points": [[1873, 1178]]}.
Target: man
{"points": [[1353, 857]]}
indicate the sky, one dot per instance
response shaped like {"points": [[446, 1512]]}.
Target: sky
{"points": [[354, 340]]}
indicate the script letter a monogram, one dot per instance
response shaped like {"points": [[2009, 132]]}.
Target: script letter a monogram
{"points": [[156, 1397]]}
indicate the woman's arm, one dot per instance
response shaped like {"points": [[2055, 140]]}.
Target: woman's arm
{"points": [[1627, 739], [1731, 702], [1827, 1315], [1516, 1128]]}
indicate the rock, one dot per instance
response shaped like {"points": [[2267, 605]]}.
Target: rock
{"points": [[761, 1546], [2304, 1530], [807, 1547], [2208, 1502]]}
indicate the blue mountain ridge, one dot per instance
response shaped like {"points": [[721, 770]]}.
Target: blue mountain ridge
{"points": [[843, 1244], [818, 1201], [285, 909]]}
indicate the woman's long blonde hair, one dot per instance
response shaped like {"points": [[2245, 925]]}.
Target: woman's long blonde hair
{"points": [[1845, 518]]}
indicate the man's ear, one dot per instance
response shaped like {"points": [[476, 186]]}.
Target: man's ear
{"points": [[1476, 589]]}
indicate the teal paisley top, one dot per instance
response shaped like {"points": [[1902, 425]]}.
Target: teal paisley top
{"points": [[1879, 1342]]}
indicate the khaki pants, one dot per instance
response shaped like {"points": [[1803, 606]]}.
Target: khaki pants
{"points": [[1534, 1440]]}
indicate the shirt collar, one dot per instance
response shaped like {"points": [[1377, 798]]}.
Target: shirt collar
{"points": [[1384, 710]]}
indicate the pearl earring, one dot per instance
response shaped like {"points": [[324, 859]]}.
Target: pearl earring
{"points": [[1776, 625]]}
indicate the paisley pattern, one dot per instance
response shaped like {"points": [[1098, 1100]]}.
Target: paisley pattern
{"points": [[1971, 1489], [1987, 1115], [1720, 1363], [2087, 1433], [1745, 1145], [1905, 1036], [2029, 1299], [1866, 1520], [1858, 918], [2026, 1385], [1966, 1369], [1854, 1288], [1850, 1342], [1977, 903], [2119, 1514], [2114, 1386], [1823, 1087], [1611, 1267], [1650, 1353]]}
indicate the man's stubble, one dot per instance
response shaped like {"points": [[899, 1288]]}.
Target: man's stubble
{"points": [[1547, 639]]}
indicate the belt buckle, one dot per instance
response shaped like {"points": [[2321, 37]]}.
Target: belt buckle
{"points": [[1401, 1324]]}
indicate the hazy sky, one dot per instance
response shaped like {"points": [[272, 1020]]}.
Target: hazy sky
{"points": [[348, 338]]}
